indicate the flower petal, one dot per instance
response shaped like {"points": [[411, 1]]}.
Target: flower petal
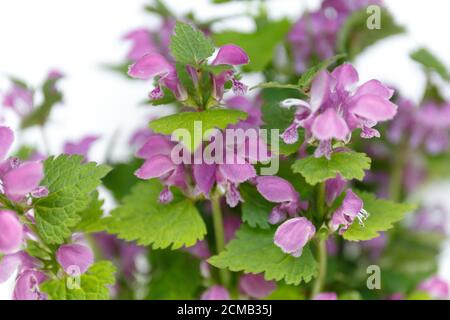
{"points": [[154, 145], [155, 167], [374, 108], [237, 173], [22, 180], [255, 286], [346, 77], [6, 140], [330, 125], [149, 66], [232, 55], [320, 90], [205, 176], [275, 189], [293, 235], [11, 232], [74, 258]]}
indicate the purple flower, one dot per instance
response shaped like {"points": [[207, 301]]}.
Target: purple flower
{"points": [[11, 232], [216, 293], [315, 33], [293, 235], [27, 286], [80, 147], [278, 190], [326, 296], [231, 55], [19, 99], [17, 179], [231, 224], [351, 208], [436, 287], [141, 43], [200, 250], [251, 107], [432, 219], [255, 286], [333, 188], [74, 258], [20, 261], [158, 164], [337, 107], [154, 65]]}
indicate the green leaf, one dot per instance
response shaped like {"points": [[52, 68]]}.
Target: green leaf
{"points": [[197, 123], [189, 45], [276, 117], [350, 165], [354, 36], [306, 78], [121, 178], [259, 45], [255, 209], [93, 285], [142, 218], [216, 69], [383, 214], [430, 62], [175, 276], [273, 84], [70, 183], [91, 216], [253, 251]]}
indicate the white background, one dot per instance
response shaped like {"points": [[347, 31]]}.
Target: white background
{"points": [[78, 37]]}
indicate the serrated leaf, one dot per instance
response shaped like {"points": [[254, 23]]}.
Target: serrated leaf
{"points": [[253, 251], [430, 62], [255, 209], [175, 276], [93, 285], [259, 45], [121, 178], [350, 165], [142, 218], [355, 36], [70, 183], [307, 77], [189, 45], [383, 214], [205, 120], [90, 217]]}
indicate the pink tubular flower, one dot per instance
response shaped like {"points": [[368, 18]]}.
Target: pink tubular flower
{"points": [[231, 55], [74, 258], [158, 164], [20, 261], [326, 296], [141, 43], [333, 188], [252, 108], [216, 293], [255, 286], [154, 65], [351, 208], [278, 190], [293, 235], [336, 108], [80, 147], [11, 232], [18, 179], [436, 287], [27, 286], [19, 99]]}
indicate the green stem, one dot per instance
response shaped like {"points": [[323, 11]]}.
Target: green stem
{"points": [[219, 235], [321, 202], [322, 257]]}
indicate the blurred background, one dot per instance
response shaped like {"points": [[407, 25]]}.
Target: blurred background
{"points": [[80, 38]]}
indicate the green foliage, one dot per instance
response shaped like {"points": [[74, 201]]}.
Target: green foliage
{"points": [[189, 45], [143, 219], [259, 45], [209, 119], [93, 285], [383, 214], [430, 62], [253, 251], [355, 36], [70, 183], [121, 178], [255, 209], [175, 276], [350, 165], [91, 216]]}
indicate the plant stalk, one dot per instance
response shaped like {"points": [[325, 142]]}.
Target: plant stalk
{"points": [[219, 235]]}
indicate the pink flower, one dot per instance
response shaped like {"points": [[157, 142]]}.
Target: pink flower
{"points": [[11, 232], [326, 296], [351, 208], [278, 190], [335, 109], [141, 43], [80, 147], [27, 286], [19, 99], [216, 293], [436, 287], [74, 258], [293, 235], [255, 286]]}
